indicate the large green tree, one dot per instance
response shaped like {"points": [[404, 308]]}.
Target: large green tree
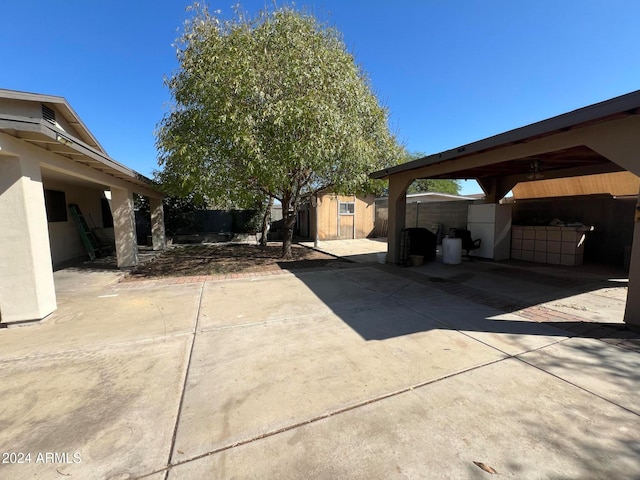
{"points": [[271, 105]]}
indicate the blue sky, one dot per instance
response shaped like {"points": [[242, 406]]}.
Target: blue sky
{"points": [[450, 71]]}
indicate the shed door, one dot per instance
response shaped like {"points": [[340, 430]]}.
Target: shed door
{"points": [[346, 219]]}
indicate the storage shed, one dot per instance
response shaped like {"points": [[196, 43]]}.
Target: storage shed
{"points": [[338, 217]]}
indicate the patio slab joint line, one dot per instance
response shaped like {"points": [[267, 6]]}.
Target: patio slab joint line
{"points": [[184, 383], [637, 414], [325, 416]]}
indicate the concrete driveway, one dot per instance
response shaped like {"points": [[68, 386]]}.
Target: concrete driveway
{"points": [[369, 371]]}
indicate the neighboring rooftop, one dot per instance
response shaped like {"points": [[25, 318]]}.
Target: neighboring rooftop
{"points": [[437, 197]]}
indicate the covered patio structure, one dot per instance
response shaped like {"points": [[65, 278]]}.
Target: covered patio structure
{"points": [[49, 160], [598, 139]]}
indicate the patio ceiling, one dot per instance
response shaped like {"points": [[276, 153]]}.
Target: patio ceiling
{"points": [[558, 163]]}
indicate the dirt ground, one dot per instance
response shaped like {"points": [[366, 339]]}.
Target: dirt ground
{"points": [[215, 259]]}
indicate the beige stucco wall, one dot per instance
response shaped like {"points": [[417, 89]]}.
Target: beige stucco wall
{"points": [[26, 279], [124, 227], [64, 237], [30, 162]]}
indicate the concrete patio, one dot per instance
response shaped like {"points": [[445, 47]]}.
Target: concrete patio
{"points": [[363, 250], [370, 371]]}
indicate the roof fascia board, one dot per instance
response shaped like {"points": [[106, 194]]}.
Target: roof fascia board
{"points": [[28, 96], [88, 150], [37, 125], [9, 122], [73, 118]]}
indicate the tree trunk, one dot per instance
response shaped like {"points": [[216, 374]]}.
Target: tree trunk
{"points": [[288, 220], [265, 223]]}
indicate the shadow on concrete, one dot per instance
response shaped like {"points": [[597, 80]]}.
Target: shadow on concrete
{"points": [[593, 361], [577, 432], [481, 300], [395, 301], [99, 264], [381, 303], [607, 445], [384, 328]]}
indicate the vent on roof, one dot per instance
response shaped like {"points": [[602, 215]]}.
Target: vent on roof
{"points": [[48, 114]]}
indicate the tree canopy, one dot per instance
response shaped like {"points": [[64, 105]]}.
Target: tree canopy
{"points": [[271, 106], [435, 185], [451, 187]]}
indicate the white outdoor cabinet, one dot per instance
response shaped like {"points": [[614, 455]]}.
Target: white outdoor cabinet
{"points": [[491, 223]]}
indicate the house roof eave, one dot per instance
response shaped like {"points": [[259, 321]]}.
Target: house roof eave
{"points": [[63, 106], [39, 132]]}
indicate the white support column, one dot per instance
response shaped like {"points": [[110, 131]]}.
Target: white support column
{"points": [[619, 143], [632, 309], [157, 224], [124, 227], [26, 275]]}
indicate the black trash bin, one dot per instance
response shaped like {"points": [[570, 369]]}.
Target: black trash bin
{"points": [[418, 241]]}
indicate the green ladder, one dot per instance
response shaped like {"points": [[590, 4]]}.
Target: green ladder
{"points": [[88, 237]]}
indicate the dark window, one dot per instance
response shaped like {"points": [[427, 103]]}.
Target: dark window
{"points": [[107, 218], [347, 208], [56, 205]]}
